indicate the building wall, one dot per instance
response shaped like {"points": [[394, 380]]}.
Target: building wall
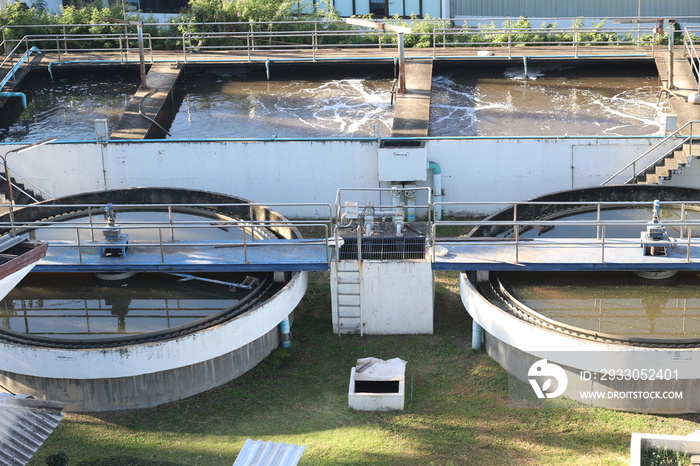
{"points": [[473, 169], [572, 9]]}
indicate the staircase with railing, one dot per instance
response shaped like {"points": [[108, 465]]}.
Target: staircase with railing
{"points": [[663, 160]]}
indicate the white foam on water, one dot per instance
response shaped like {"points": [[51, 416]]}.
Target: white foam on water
{"points": [[519, 107]]}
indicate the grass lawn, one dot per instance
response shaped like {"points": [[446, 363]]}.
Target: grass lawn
{"points": [[458, 413]]}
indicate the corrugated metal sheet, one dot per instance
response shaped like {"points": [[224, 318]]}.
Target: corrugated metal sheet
{"points": [[572, 9], [25, 424], [259, 453]]}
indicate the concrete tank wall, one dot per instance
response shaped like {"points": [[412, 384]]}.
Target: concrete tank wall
{"points": [[476, 169], [516, 345], [150, 373]]}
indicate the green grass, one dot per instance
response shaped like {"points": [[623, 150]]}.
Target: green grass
{"points": [[458, 413]]}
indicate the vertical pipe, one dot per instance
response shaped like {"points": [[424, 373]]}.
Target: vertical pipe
{"points": [[396, 193], [410, 203], [402, 65], [477, 335], [285, 334], [437, 188], [671, 40], [142, 59]]}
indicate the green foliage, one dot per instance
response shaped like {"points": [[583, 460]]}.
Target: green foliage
{"points": [[662, 456], [125, 461], [57, 459]]}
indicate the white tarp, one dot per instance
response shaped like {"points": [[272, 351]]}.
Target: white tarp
{"points": [[379, 369]]}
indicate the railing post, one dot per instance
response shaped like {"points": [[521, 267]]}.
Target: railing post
{"points": [[690, 234], [359, 242], [92, 225], [249, 44], [245, 246], [517, 243], [170, 220], [683, 227], [161, 246], [671, 40], [602, 247], [80, 251], [510, 41]]}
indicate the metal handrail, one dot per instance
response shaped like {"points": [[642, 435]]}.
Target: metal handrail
{"points": [[11, 59], [319, 35], [45, 195], [339, 205], [678, 134], [689, 36], [62, 42], [509, 37], [684, 226], [163, 242]]}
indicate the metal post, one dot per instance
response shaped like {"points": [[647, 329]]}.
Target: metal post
{"points": [[161, 245], [671, 28], [517, 243], [142, 59], [402, 65], [80, 251], [92, 225]]}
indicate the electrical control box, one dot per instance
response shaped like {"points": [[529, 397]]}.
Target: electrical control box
{"points": [[403, 164]]}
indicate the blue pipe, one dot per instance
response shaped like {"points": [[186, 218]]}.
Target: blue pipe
{"points": [[437, 187], [477, 335], [286, 337], [21, 95]]}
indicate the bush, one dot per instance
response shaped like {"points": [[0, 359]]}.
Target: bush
{"points": [[57, 459], [662, 456]]}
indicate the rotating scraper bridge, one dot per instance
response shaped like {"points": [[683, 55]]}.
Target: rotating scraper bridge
{"points": [[590, 248]]}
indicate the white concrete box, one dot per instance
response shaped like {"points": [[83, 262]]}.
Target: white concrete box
{"points": [[385, 392]]}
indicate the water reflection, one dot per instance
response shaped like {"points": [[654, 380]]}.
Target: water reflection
{"points": [[68, 105], [80, 306], [618, 303]]}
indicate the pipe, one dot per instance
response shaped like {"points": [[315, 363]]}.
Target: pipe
{"points": [[286, 336], [437, 187], [21, 95], [410, 203], [396, 193], [477, 335]]}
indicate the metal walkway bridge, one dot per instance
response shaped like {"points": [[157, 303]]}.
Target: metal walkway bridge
{"points": [[604, 239]]}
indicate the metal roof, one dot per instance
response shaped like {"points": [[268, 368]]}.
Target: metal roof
{"points": [[259, 453], [25, 424]]}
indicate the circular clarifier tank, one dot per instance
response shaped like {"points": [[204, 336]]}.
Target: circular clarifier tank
{"points": [[596, 322], [116, 341]]}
